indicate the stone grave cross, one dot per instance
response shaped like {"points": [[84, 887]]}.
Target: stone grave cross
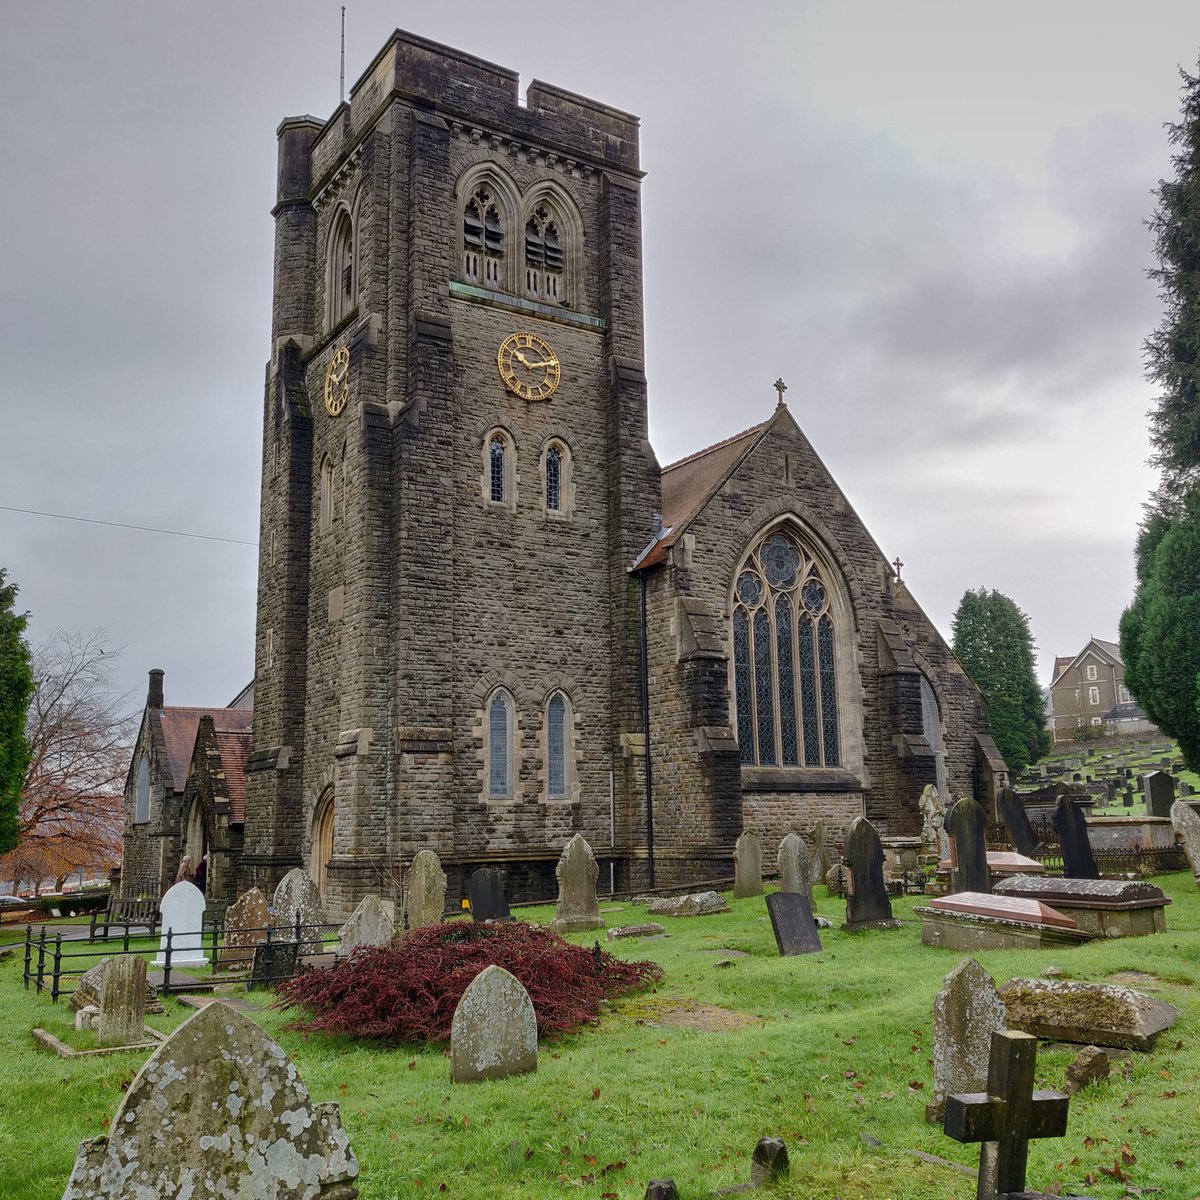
{"points": [[1007, 1116]]}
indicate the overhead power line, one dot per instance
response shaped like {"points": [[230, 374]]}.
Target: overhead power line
{"points": [[204, 537]]}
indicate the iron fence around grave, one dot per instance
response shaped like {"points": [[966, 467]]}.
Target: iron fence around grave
{"points": [[50, 964]]}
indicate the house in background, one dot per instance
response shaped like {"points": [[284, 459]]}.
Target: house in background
{"points": [[1089, 689]]}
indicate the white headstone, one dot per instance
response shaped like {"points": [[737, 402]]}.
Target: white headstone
{"points": [[182, 911]]}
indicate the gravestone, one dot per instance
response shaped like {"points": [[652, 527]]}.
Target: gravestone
{"points": [[182, 911], [1102, 907], [1071, 824], [246, 921], [795, 866], [297, 899], [494, 1030], [1159, 787], [91, 983], [694, 904], [485, 890], [792, 922], [369, 925], [769, 1162], [424, 891], [966, 1012], [868, 905], [822, 862], [1128, 800], [1186, 823], [747, 866], [577, 873], [273, 961], [1092, 1014], [1006, 1116], [217, 1111], [966, 822], [123, 1002], [1016, 821]]}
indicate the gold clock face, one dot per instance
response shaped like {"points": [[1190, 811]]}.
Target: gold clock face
{"points": [[528, 365], [337, 381]]}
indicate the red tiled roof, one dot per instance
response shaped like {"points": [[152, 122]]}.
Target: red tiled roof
{"points": [[179, 727], [234, 748], [688, 485]]}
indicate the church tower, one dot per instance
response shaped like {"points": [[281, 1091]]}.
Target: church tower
{"points": [[456, 479]]}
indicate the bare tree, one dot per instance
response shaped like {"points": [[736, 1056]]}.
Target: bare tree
{"points": [[80, 732]]}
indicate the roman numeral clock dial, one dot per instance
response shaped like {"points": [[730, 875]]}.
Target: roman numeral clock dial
{"points": [[528, 366]]}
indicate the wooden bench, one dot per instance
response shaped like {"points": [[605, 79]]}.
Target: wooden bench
{"points": [[123, 913]]}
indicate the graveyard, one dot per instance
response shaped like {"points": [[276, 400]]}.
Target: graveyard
{"points": [[830, 1051]]}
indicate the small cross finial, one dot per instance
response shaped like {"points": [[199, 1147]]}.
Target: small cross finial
{"points": [[897, 564], [780, 387]]}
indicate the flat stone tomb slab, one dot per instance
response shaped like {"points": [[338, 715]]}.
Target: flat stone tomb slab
{"points": [[792, 920], [1101, 907], [1005, 862], [1004, 908]]}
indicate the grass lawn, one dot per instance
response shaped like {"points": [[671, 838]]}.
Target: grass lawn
{"points": [[682, 1081]]}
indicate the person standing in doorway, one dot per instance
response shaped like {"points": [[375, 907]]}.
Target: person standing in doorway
{"points": [[185, 873], [201, 872]]}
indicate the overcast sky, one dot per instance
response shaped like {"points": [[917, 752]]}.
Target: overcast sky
{"points": [[928, 218]]}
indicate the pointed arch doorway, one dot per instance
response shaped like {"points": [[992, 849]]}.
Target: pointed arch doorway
{"points": [[322, 841]]}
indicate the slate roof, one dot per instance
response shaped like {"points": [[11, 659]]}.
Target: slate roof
{"points": [[179, 726], [234, 748], [1111, 649], [1130, 710], [689, 484]]}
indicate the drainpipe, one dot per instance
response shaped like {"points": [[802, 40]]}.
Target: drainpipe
{"points": [[646, 738]]}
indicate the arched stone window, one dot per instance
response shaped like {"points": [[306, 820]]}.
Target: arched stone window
{"points": [[544, 257], [325, 506], [141, 804], [341, 274], [322, 840], [483, 239], [501, 727], [556, 478], [931, 726], [785, 669], [558, 745], [499, 479]]}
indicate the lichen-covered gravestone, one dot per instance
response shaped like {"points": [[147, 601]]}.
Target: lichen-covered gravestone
{"points": [[91, 982], [369, 925], [577, 872], [795, 866], [966, 1011], [494, 1030], [182, 911], [1186, 822], [425, 890], [246, 921], [297, 897], [122, 1018], [747, 866], [218, 1112]]}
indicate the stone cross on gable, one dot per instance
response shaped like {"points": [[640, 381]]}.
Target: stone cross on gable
{"points": [[1007, 1116], [897, 564], [780, 387]]}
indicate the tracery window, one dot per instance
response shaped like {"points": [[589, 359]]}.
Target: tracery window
{"points": [[483, 239], [325, 507], [554, 479], [341, 283], [500, 723], [785, 671], [544, 259], [558, 746], [141, 808]]}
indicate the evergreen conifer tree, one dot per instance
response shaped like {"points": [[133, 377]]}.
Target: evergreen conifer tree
{"points": [[16, 690]]}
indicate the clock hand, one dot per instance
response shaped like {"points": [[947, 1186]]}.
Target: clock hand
{"points": [[548, 362], [522, 359]]}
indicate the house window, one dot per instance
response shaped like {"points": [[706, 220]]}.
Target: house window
{"points": [[1125, 697], [1091, 671], [500, 724], [141, 807], [785, 677], [483, 240], [325, 506], [341, 283], [558, 746], [1096, 721], [544, 257], [1093, 695]]}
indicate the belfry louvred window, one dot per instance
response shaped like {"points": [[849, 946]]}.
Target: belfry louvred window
{"points": [[483, 240], [544, 258], [785, 672]]}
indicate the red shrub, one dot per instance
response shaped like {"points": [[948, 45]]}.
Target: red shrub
{"points": [[408, 991]]}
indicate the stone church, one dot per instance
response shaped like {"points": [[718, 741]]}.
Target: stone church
{"points": [[487, 618]]}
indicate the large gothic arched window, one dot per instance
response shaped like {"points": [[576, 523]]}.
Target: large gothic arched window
{"points": [[785, 671], [483, 239]]}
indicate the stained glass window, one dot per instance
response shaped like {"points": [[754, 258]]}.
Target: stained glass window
{"points": [[499, 776], [784, 658], [496, 469], [556, 746], [554, 479]]}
